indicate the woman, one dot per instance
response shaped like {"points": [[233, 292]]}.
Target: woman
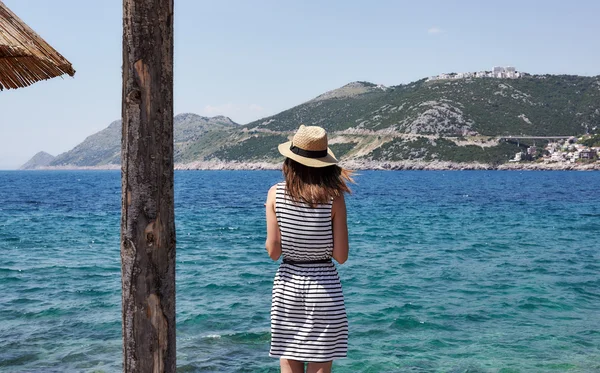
{"points": [[306, 223]]}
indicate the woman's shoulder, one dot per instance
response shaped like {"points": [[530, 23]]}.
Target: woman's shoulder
{"points": [[338, 203], [280, 185], [273, 190]]}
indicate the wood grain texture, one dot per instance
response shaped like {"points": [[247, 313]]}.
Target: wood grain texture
{"points": [[148, 219]]}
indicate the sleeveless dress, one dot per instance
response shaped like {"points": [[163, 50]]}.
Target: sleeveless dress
{"points": [[308, 316]]}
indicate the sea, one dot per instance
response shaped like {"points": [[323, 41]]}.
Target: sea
{"points": [[449, 271]]}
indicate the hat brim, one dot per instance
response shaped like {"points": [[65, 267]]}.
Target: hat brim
{"points": [[328, 160]]}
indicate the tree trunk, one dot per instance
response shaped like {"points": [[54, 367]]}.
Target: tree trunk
{"points": [[148, 218]]}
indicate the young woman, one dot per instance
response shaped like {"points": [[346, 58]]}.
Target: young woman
{"points": [[306, 224]]}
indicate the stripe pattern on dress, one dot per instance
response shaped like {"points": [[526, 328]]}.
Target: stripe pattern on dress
{"points": [[308, 316]]}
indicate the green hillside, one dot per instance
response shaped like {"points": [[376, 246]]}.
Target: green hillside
{"points": [[441, 120], [534, 105]]}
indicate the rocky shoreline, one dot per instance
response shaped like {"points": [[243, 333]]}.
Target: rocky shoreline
{"points": [[450, 166], [364, 165], [400, 165]]}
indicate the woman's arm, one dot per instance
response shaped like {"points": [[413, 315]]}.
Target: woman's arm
{"points": [[340, 230], [273, 244]]}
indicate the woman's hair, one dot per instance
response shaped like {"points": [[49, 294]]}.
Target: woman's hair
{"points": [[315, 185]]}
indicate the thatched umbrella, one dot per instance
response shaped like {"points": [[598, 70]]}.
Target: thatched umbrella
{"points": [[25, 58]]}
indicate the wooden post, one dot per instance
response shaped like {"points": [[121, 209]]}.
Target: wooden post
{"points": [[148, 218]]}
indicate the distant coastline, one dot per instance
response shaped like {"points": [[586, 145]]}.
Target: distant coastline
{"points": [[365, 165], [463, 122]]}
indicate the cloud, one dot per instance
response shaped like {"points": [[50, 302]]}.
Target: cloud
{"points": [[435, 30]]}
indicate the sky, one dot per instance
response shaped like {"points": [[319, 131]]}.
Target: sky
{"points": [[251, 59]]}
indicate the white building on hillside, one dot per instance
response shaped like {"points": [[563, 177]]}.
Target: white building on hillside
{"points": [[505, 72], [508, 72], [498, 71]]}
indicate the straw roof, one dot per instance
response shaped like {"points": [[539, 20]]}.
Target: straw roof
{"points": [[25, 58]]}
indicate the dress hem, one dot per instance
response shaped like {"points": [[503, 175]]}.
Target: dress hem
{"points": [[324, 360]]}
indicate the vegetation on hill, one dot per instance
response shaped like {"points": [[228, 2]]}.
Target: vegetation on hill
{"points": [[535, 105], [254, 148], [341, 149], [591, 141], [457, 120], [443, 149]]}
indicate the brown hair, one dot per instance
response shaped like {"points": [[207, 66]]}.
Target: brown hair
{"points": [[315, 185]]}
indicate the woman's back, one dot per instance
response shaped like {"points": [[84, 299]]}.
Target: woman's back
{"points": [[306, 232], [306, 223], [308, 315]]}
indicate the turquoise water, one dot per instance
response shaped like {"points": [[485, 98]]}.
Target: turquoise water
{"points": [[464, 271]]}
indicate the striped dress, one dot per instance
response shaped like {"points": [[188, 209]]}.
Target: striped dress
{"points": [[308, 317]]}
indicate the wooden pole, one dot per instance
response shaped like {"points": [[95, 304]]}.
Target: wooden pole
{"points": [[148, 218]]}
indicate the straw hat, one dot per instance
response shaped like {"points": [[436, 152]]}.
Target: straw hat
{"points": [[309, 147]]}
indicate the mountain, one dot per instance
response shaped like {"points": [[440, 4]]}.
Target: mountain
{"points": [[104, 147], [40, 159], [535, 105], [197, 136], [456, 120]]}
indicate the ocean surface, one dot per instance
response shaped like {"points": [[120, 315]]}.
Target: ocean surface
{"points": [[458, 271]]}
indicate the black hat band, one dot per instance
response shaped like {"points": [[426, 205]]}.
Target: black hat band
{"points": [[308, 153]]}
